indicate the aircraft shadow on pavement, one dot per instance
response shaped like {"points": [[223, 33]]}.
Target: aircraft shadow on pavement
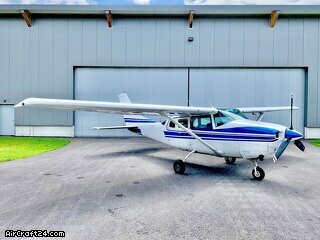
{"points": [[197, 178], [220, 168], [127, 153]]}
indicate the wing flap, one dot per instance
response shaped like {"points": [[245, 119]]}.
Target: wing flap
{"points": [[113, 107]]}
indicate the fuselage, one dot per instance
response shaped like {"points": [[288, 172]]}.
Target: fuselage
{"points": [[232, 135]]}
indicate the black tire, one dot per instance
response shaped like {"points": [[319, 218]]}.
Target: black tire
{"points": [[230, 160], [179, 167], [258, 174]]}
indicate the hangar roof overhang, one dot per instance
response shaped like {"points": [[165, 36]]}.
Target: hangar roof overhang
{"points": [[163, 10]]}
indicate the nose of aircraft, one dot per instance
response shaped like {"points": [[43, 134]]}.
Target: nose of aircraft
{"points": [[292, 134]]}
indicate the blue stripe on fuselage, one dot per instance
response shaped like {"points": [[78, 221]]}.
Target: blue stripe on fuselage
{"points": [[203, 135], [252, 130], [227, 139], [258, 134]]}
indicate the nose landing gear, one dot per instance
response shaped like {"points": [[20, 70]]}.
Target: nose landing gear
{"points": [[257, 172]]}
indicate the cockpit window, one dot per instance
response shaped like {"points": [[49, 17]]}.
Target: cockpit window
{"points": [[223, 117], [201, 122], [184, 122]]}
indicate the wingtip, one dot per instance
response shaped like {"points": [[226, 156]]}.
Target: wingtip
{"points": [[20, 104], [25, 102]]}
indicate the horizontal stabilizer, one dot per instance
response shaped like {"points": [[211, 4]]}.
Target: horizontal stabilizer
{"points": [[114, 127], [265, 109]]}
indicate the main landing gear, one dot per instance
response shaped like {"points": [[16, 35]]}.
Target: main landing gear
{"points": [[230, 160], [179, 166], [257, 172]]}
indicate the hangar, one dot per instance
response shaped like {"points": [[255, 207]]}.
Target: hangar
{"points": [[227, 56]]}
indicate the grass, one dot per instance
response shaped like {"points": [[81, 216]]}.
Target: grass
{"points": [[316, 142], [12, 148]]}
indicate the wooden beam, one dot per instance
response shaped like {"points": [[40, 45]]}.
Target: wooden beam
{"points": [[27, 17], [109, 18], [273, 18], [191, 18]]}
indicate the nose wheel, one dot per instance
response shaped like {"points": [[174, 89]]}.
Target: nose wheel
{"points": [[258, 173]]}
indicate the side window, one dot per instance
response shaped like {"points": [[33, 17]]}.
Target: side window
{"points": [[184, 122], [201, 122], [172, 125]]}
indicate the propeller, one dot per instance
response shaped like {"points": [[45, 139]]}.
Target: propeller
{"points": [[289, 134]]}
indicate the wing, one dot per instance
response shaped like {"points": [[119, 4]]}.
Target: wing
{"points": [[113, 107], [122, 108], [265, 109]]}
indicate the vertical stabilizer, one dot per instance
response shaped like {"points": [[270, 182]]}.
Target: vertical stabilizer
{"points": [[123, 98], [132, 119]]}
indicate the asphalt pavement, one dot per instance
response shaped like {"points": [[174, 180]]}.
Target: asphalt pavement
{"points": [[125, 188]]}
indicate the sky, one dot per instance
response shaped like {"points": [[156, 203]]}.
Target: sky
{"points": [[161, 2]]}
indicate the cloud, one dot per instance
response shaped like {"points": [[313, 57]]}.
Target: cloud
{"points": [[142, 2], [253, 2], [66, 2]]}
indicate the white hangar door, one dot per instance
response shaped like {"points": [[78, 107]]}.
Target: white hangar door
{"points": [[143, 85], [251, 87]]}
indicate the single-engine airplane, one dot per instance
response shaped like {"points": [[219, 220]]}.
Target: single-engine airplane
{"points": [[224, 133]]}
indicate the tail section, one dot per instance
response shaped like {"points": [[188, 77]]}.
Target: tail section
{"points": [[123, 98], [132, 119]]}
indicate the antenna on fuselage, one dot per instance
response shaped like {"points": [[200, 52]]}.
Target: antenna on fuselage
{"points": [[291, 110]]}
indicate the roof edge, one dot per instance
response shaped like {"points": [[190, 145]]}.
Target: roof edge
{"points": [[162, 9]]}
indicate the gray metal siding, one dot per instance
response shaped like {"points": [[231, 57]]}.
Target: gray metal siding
{"points": [[251, 42], [39, 61]]}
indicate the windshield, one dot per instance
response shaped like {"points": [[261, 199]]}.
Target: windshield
{"points": [[223, 117], [235, 111]]}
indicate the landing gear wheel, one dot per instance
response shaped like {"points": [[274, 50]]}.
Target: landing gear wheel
{"points": [[179, 167], [258, 173], [230, 160]]}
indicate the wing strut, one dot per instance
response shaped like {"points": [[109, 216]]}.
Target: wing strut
{"points": [[216, 152], [261, 114]]}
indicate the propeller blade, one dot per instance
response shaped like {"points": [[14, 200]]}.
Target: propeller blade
{"points": [[281, 149], [300, 145]]}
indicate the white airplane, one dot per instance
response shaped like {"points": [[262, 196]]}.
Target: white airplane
{"points": [[220, 132]]}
